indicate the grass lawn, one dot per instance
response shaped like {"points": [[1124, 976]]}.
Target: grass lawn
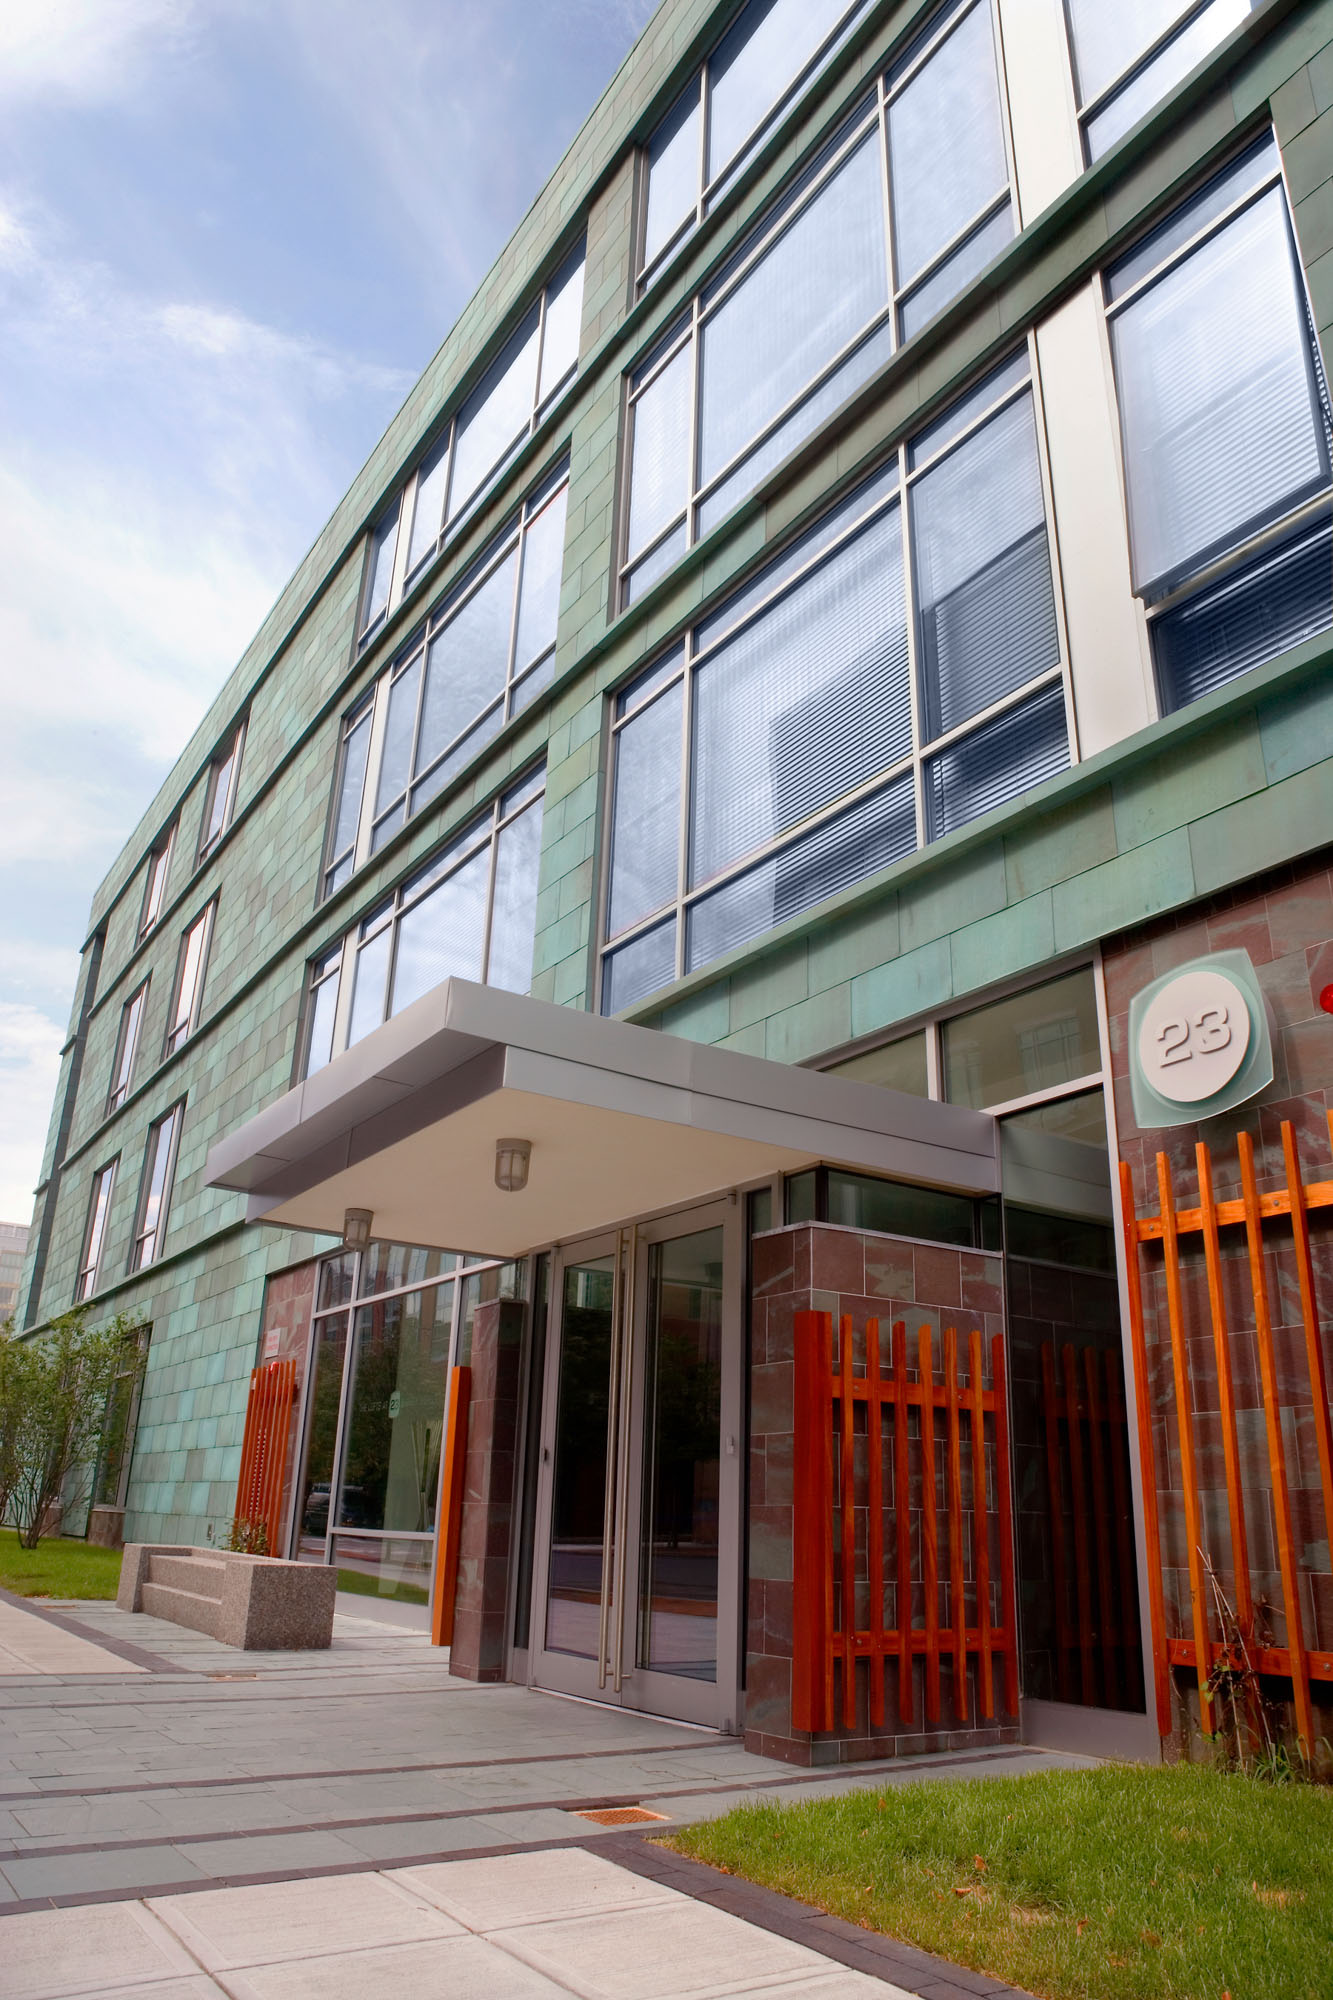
{"points": [[57, 1568], [1120, 1883]]}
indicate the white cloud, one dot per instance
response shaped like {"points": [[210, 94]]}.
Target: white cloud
{"points": [[85, 50], [44, 973], [30, 1047]]}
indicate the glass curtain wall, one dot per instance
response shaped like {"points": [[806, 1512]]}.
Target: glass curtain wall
{"points": [[511, 400], [1130, 54], [1226, 427], [388, 1326], [485, 653], [847, 704], [470, 913], [908, 202]]}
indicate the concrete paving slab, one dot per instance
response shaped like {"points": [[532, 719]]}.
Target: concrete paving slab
{"points": [[663, 1951], [51, 1954], [229, 1928], [31, 1645], [514, 1889], [126, 1868], [462, 1968]]}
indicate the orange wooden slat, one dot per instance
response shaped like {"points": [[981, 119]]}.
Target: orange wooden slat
{"points": [[875, 1500], [1078, 1497], [1314, 1341], [1147, 1464], [902, 1506], [1278, 1202], [980, 1524], [929, 1529], [1189, 1477], [847, 1563], [1264, 1659], [1226, 1394], [1281, 1498], [451, 1507], [1061, 1591], [954, 1493], [1101, 1522], [1002, 1488]]}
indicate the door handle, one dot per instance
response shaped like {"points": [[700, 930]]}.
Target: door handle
{"points": [[622, 1456]]}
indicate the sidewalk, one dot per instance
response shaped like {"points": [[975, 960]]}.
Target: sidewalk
{"points": [[178, 1775]]}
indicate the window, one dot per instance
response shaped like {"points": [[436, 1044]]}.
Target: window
{"points": [[470, 913], [190, 979], [155, 1195], [1226, 433], [220, 802], [810, 762], [769, 56], [112, 1478], [1128, 56], [482, 657], [502, 411], [127, 1046], [892, 1208], [1024, 1045], [94, 1236], [155, 884], [812, 305]]}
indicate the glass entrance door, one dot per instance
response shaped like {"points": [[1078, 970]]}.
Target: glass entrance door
{"points": [[637, 1599]]}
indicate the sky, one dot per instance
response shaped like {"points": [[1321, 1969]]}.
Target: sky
{"points": [[232, 233]]}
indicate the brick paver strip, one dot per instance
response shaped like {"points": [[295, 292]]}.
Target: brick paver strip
{"points": [[122, 1648]]}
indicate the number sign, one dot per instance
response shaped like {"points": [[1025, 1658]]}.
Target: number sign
{"points": [[1198, 1041]]}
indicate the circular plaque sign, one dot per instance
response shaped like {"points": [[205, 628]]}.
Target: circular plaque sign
{"points": [[1193, 1036]]}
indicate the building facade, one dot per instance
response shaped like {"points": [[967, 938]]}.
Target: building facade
{"points": [[13, 1246], [843, 620]]}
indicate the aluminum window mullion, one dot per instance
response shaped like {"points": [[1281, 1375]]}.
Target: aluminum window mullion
{"points": [[1053, 547], [927, 271], [520, 560], [969, 430], [1221, 566], [705, 128], [490, 892], [1143, 60], [1006, 131], [1045, 679], [913, 650], [686, 798], [696, 412], [919, 61], [342, 1006], [890, 242], [365, 824]]}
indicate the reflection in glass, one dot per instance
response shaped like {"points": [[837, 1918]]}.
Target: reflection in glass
{"points": [[579, 1483], [1031, 1041], [391, 1461], [899, 1065], [390, 1566], [678, 1555], [312, 1512]]}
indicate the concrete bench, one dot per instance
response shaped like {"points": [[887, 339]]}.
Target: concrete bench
{"points": [[259, 1603]]}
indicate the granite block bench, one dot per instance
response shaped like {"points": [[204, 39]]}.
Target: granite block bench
{"points": [[259, 1603]]}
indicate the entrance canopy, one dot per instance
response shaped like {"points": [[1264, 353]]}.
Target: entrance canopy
{"points": [[622, 1122]]}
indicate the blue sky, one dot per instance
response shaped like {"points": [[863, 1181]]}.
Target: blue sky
{"points": [[232, 232]]}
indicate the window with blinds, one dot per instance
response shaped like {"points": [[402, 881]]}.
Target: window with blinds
{"points": [[1225, 420], [1129, 55]]}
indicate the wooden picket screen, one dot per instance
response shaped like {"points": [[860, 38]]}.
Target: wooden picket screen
{"points": [[1208, 1218], [268, 1421], [840, 1537], [450, 1524], [1093, 1577]]}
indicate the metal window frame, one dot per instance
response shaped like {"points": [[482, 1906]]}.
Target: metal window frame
{"points": [[227, 757], [180, 1026], [146, 1243], [923, 749], [444, 443], [128, 1038], [482, 831], [151, 907], [94, 1245], [872, 114]]}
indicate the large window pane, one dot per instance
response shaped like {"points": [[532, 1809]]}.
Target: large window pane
{"points": [[844, 850], [999, 762], [645, 838], [1107, 39], [496, 415], [808, 701], [1032, 1041], [1168, 68], [391, 1463], [380, 573], [899, 1065], [946, 144], [514, 911], [640, 968], [987, 609], [372, 970], [1278, 599], [660, 477], [1221, 423], [468, 662], [756, 62], [426, 518], [315, 1492], [673, 173], [821, 281], [442, 936], [539, 593], [396, 754], [560, 341]]}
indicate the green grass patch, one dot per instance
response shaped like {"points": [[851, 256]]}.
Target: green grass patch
{"points": [[57, 1568], [1119, 1883], [361, 1584]]}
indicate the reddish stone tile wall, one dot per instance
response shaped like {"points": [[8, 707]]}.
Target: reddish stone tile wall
{"points": [[1285, 921], [486, 1536], [817, 1267]]}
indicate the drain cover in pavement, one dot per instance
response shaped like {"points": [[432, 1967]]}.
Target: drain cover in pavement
{"points": [[620, 1815]]}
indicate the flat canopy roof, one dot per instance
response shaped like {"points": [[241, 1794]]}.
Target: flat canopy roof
{"points": [[623, 1122]]}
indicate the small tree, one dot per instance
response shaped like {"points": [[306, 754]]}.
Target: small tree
{"points": [[16, 1371], [66, 1378]]}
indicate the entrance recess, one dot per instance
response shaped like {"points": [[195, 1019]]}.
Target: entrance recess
{"points": [[637, 1588]]}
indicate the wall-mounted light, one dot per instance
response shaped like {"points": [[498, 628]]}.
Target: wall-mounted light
{"points": [[511, 1164], [356, 1228]]}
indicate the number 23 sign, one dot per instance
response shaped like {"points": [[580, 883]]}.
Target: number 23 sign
{"points": [[1195, 1036]]}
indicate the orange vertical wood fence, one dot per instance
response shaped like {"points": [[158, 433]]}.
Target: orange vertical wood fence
{"points": [[268, 1418], [451, 1508], [841, 1550], [1205, 1643]]}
